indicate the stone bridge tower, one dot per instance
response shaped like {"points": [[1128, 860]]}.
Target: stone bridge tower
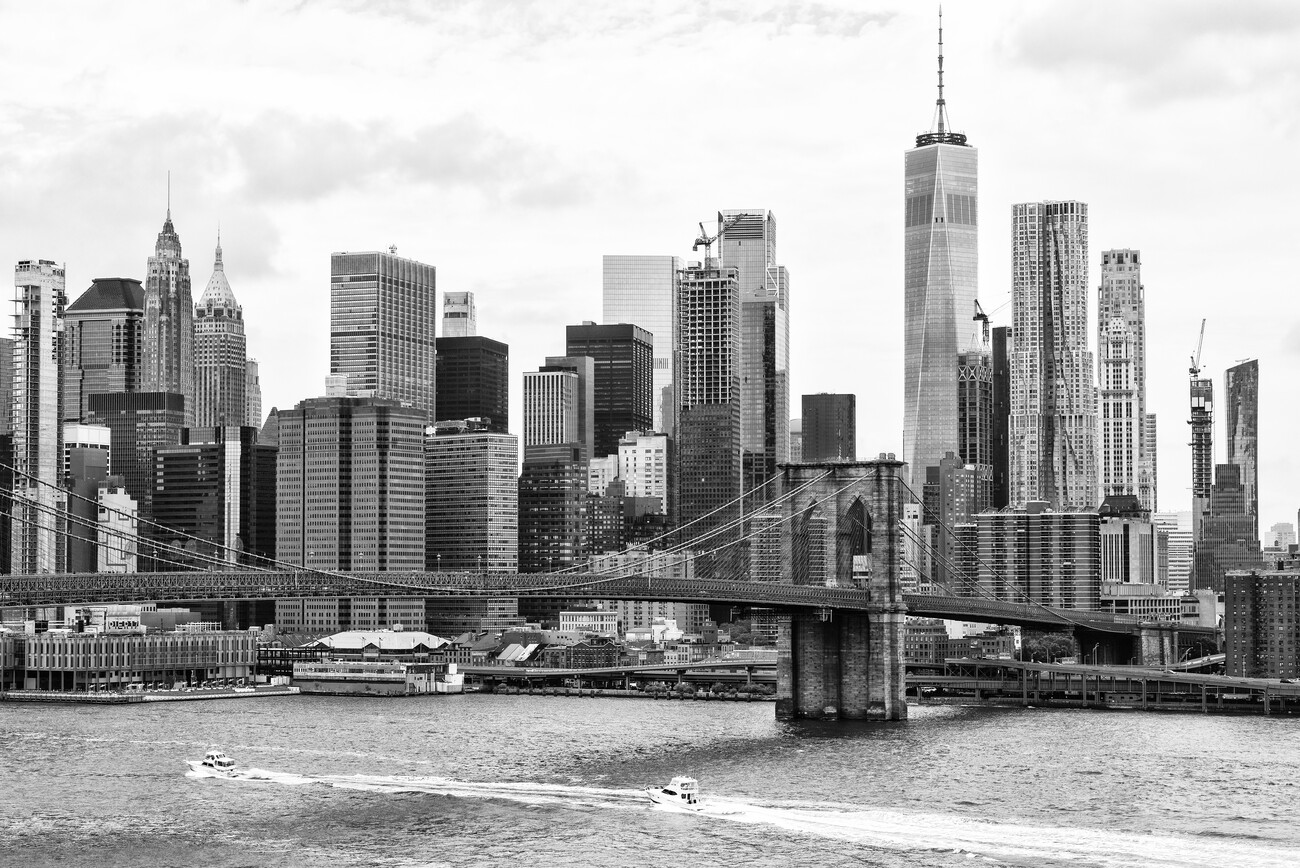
{"points": [[841, 528]]}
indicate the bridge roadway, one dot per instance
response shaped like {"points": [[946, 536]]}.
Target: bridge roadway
{"points": [[102, 588]]}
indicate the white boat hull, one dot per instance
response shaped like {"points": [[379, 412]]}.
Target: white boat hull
{"points": [[659, 798]]}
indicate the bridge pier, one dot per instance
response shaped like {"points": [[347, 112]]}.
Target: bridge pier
{"points": [[849, 667]]}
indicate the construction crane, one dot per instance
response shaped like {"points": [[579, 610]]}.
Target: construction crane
{"points": [[1195, 369], [706, 240], [984, 318]]}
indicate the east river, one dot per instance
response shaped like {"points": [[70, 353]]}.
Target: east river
{"points": [[549, 781]]}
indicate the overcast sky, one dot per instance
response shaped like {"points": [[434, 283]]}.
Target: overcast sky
{"points": [[511, 144]]}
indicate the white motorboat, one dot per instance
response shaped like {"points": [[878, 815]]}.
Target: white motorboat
{"points": [[681, 792], [214, 762]]}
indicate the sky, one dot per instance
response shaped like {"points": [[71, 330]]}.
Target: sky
{"points": [[511, 144]]}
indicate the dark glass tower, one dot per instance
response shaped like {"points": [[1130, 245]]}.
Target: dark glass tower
{"points": [[1241, 391], [623, 360], [473, 377], [830, 428], [103, 342]]}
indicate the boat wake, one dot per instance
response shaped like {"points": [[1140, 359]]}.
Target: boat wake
{"points": [[1002, 842]]}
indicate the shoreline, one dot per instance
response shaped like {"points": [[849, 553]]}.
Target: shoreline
{"points": [[136, 698]]}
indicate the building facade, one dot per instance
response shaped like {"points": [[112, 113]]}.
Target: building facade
{"points": [[1241, 395], [473, 380], [643, 290], [253, 394], [37, 416], [552, 508], [643, 465], [829, 428], [1127, 459], [1053, 429], [622, 356], [383, 314], [220, 355], [1261, 624], [350, 485], [459, 315], [1227, 538], [139, 423], [551, 406], [471, 499], [1038, 555], [169, 320], [104, 343]]}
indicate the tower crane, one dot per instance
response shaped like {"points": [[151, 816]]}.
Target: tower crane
{"points": [[706, 240], [1195, 369], [984, 318]]}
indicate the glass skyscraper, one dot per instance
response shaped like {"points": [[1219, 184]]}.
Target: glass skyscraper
{"points": [[642, 290], [1241, 392], [623, 358], [103, 338], [383, 314], [940, 279], [1053, 429]]}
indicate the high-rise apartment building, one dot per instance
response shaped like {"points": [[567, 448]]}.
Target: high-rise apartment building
{"points": [[1261, 624], [708, 466], [1037, 554], [1202, 422], [37, 415], [642, 290], [169, 320], [1178, 571], [1241, 394], [976, 430], [940, 279], [622, 355], [220, 355], [1127, 452], [383, 313], [830, 428], [747, 242], [1053, 428], [459, 316], [471, 498], [473, 380], [643, 463], [350, 485], [104, 342]]}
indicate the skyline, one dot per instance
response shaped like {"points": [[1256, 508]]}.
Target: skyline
{"points": [[556, 130]]}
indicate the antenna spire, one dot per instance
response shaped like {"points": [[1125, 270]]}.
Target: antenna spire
{"points": [[169, 194], [941, 108]]}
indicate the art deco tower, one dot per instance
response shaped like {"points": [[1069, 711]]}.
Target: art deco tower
{"points": [[169, 320], [940, 268], [220, 354], [1127, 438]]}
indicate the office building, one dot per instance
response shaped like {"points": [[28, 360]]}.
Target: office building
{"points": [[1053, 430], [459, 316], [37, 417], [169, 320], [708, 441], [85, 468], [747, 242], [473, 380], [104, 341], [1261, 624], [1039, 555], [940, 280], [220, 355], [350, 485], [1001, 449], [1177, 526], [471, 498], [1241, 396], [552, 506], [643, 466], [551, 396], [383, 313], [622, 357], [949, 499], [252, 394], [1127, 455], [830, 428], [585, 368], [209, 499], [976, 431], [1227, 539], [1131, 542], [139, 423], [642, 290]]}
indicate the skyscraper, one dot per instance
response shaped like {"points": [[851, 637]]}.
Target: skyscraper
{"points": [[552, 508], [585, 368], [471, 498], [1127, 455], [707, 333], [1001, 416], [139, 423], [1053, 431], [383, 313], [220, 355], [622, 355], [459, 316], [747, 242], [1202, 422], [473, 380], [253, 394], [550, 406], [103, 339], [1241, 391], [39, 301], [976, 431], [830, 428], [642, 290], [940, 279], [169, 320]]}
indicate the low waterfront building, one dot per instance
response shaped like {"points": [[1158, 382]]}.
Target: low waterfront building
{"points": [[408, 645], [373, 678], [335, 614], [1261, 623], [110, 661]]}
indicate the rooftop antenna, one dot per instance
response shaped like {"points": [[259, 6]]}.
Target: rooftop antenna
{"points": [[941, 108], [169, 194], [392, 249]]}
